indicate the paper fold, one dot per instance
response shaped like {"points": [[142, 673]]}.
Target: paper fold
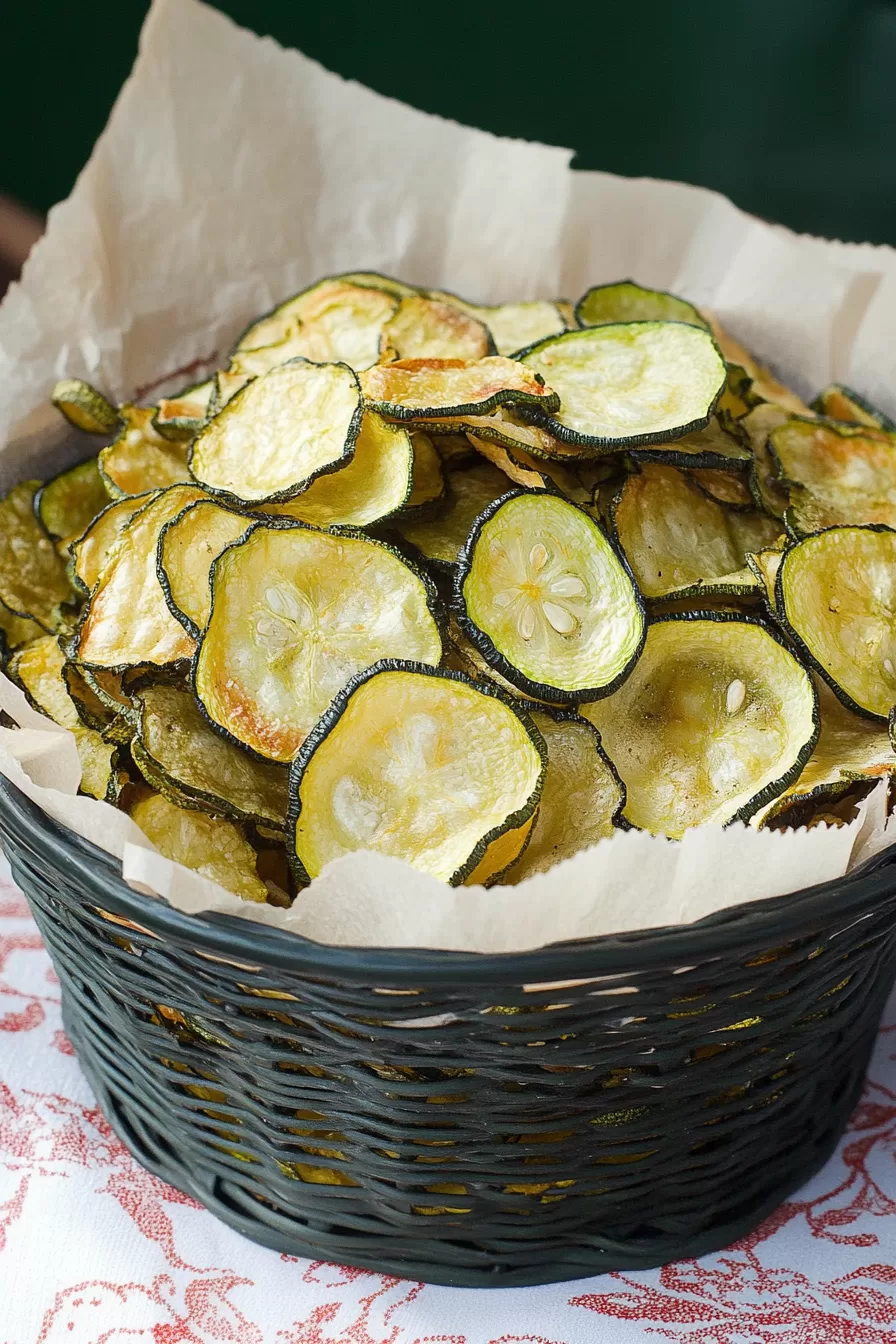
{"points": [[231, 174]]}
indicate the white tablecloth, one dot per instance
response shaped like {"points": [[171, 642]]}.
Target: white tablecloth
{"points": [[93, 1250]]}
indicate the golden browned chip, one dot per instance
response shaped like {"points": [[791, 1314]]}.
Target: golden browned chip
{"points": [[211, 846], [140, 459], [415, 389], [422, 328], [33, 581]]}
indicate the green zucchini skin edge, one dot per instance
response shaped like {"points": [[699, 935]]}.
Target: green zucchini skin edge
{"points": [[526, 401], [331, 717], [668, 457], [613, 284], [537, 690], [390, 286], [78, 584], [289, 492], [564, 714], [433, 603], [780, 616], [885, 422], [599, 444], [190, 626], [52, 481], [777, 786]]}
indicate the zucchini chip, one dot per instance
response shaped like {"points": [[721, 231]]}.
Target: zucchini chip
{"points": [[768, 491], [419, 764], [92, 549], [182, 416], [280, 432], [333, 322], [836, 593], [531, 472], [716, 719], [429, 329], [837, 402], [181, 756], [508, 431], [33, 581], [835, 474], [730, 488], [84, 407], [626, 301], [764, 564], [68, 503], [432, 389], [188, 547], [513, 326], [375, 483], [582, 796], [127, 622], [295, 615], [546, 599], [140, 459], [209, 845], [764, 386], [849, 748], [428, 476], [737, 400], [678, 541], [629, 383], [713, 447], [439, 538], [39, 668], [375, 280], [15, 631]]}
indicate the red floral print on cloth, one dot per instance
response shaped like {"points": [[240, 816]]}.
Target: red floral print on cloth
{"points": [[142, 1261]]}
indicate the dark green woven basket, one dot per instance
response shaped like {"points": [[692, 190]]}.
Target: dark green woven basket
{"points": [[612, 1103]]}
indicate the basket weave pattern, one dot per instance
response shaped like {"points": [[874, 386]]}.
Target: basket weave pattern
{"points": [[470, 1120]]}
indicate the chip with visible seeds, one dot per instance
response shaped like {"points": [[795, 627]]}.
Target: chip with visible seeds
{"points": [[211, 846], [33, 581], [296, 613], [280, 432], [388, 769]]}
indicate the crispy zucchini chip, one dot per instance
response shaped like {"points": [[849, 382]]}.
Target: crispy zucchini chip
{"points": [[439, 538], [68, 503], [140, 459], [127, 621], [376, 280], [416, 763], [39, 669], [837, 402], [737, 399], [533, 473], [835, 474], [375, 483], [508, 431], [428, 477], [84, 407], [626, 301], [836, 593], [91, 550], [423, 328], [33, 581], [453, 450], [769, 492], [582, 795], [546, 599], [16, 631], [433, 389], [764, 564], [849, 748], [295, 615], [462, 655], [713, 448], [184, 758], [183, 416], [211, 846], [764, 386], [188, 547], [513, 326], [280, 432], [502, 853], [629, 383], [91, 710], [333, 322], [730, 488], [716, 719], [678, 541]]}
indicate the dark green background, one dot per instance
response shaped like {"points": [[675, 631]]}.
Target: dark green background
{"points": [[785, 105]]}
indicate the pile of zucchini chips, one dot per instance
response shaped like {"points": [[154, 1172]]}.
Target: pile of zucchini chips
{"points": [[468, 586]]}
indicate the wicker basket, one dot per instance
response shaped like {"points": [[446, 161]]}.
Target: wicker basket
{"points": [[459, 1118]]}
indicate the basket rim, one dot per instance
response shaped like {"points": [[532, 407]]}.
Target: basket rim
{"points": [[739, 928]]}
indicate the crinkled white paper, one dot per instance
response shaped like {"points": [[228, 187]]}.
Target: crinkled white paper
{"points": [[231, 174]]}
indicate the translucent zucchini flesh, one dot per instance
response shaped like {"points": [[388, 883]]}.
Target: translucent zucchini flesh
{"points": [[390, 768], [630, 383], [835, 474], [92, 549], [69, 502], [422, 328], [423, 389], [296, 613], [280, 432], [717, 718], [625, 301], [188, 546], [547, 600], [335, 321], [513, 326], [140, 459], [211, 846], [836, 593]]}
